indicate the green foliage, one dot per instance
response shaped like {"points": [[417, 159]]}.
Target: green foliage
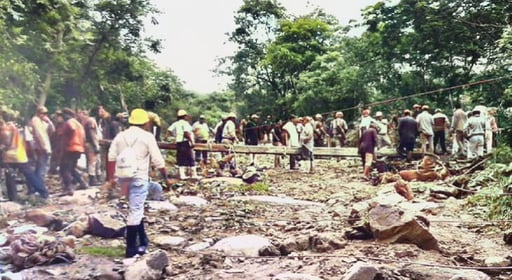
{"points": [[111, 252], [496, 183]]}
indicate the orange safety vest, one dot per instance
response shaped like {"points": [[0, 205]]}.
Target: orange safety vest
{"points": [[77, 141], [17, 152]]}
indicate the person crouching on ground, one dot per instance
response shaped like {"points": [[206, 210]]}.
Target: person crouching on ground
{"points": [[145, 147], [367, 144]]}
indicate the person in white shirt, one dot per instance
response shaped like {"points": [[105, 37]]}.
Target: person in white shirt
{"points": [[146, 149], [307, 141], [475, 128], [441, 123], [425, 128], [201, 135], [382, 136], [291, 138]]}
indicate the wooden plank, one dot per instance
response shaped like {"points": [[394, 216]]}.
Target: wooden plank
{"points": [[271, 150]]}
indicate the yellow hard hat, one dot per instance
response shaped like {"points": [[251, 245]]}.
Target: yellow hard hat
{"points": [[138, 117], [181, 113]]}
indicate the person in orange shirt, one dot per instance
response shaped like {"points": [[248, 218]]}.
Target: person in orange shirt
{"points": [[73, 145]]}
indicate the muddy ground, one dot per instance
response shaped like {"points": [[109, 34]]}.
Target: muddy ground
{"points": [[464, 239]]}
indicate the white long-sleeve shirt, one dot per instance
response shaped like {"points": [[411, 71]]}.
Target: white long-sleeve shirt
{"points": [[145, 146]]}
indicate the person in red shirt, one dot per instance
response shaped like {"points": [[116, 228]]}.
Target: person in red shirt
{"points": [[73, 145]]}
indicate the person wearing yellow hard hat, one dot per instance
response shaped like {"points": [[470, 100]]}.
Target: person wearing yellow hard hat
{"points": [[185, 142], [129, 158]]}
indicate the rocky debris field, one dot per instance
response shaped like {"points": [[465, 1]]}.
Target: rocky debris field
{"points": [[331, 224]]}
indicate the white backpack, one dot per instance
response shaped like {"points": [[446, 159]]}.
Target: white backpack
{"points": [[126, 163]]}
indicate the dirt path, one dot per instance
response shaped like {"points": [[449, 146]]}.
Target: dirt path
{"points": [[325, 201]]}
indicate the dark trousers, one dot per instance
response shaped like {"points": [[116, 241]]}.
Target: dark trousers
{"points": [[439, 138], [404, 147], [68, 170]]}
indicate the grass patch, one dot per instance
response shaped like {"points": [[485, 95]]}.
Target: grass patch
{"points": [[258, 187], [111, 252]]}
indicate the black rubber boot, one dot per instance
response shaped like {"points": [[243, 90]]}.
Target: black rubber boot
{"points": [[143, 239], [93, 181], [131, 241]]}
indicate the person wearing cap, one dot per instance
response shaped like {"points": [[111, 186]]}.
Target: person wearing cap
{"points": [[459, 120], [383, 124], [407, 133], [201, 134], [367, 147], [366, 120], [339, 129], [42, 129], [416, 110], [475, 131], [290, 138], [73, 146], [307, 141], [441, 123], [229, 137], [251, 134], [14, 155], [320, 132], [229, 131], [425, 128], [138, 137], [185, 146]]}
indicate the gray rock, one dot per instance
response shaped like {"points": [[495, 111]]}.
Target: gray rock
{"points": [[295, 276], [246, 245], [361, 271], [294, 244], [269, 251], [156, 206], [198, 247], [497, 261], [440, 273], [166, 242], [150, 267], [190, 200], [327, 241]]}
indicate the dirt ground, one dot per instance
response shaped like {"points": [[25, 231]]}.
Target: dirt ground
{"points": [[336, 185]]}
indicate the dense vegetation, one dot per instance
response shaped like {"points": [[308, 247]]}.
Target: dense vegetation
{"points": [[85, 52]]}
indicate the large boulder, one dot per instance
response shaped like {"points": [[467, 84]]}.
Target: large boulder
{"points": [[441, 273], [190, 200], [150, 267], [361, 271], [245, 245], [390, 224], [156, 206]]}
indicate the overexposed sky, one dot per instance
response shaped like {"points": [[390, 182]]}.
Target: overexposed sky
{"points": [[194, 34]]}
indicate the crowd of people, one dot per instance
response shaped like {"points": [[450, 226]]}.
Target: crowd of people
{"points": [[54, 144]]}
